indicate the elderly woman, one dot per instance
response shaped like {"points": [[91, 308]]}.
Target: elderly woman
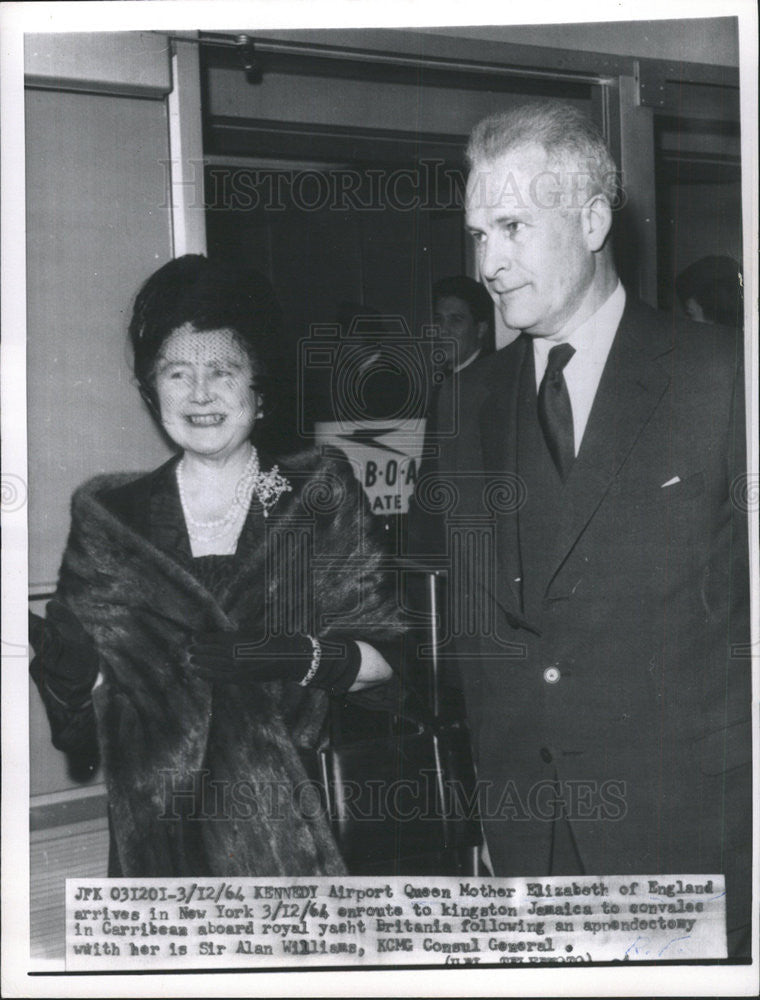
{"points": [[212, 605]]}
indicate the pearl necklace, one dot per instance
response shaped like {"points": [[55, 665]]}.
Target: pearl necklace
{"points": [[237, 506], [268, 486]]}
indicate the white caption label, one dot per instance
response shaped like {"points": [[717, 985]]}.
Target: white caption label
{"points": [[116, 924]]}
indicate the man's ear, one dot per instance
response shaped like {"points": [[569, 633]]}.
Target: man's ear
{"points": [[482, 329], [596, 220]]}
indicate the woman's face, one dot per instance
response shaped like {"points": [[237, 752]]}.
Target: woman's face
{"points": [[203, 383]]}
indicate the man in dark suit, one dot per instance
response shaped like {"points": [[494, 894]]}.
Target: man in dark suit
{"points": [[597, 565]]}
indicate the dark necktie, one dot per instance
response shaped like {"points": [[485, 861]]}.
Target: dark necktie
{"points": [[554, 411]]}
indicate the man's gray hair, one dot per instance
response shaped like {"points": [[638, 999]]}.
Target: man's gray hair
{"points": [[567, 135]]}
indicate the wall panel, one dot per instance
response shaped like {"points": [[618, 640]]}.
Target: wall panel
{"points": [[98, 223]]}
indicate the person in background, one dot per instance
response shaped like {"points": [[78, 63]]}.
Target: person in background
{"points": [[207, 611], [710, 291], [463, 312]]}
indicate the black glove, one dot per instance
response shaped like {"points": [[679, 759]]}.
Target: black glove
{"points": [[242, 658], [66, 660]]}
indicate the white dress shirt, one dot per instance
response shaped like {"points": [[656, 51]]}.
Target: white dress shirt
{"points": [[592, 341]]}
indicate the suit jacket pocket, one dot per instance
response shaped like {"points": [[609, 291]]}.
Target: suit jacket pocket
{"points": [[647, 495]]}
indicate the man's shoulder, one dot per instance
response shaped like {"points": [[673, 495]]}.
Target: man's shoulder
{"points": [[665, 332], [491, 367]]}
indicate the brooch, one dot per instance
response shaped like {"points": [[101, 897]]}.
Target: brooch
{"points": [[267, 487]]}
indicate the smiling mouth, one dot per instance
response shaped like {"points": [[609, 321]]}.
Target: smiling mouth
{"points": [[204, 419]]}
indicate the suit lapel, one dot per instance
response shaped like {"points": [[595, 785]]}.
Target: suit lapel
{"points": [[498, 433], [631, 386]]}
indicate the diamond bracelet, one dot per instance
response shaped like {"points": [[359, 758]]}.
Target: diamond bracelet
{"points": [[316, 656]]}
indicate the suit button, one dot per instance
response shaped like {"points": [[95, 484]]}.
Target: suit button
{"points": [[551, 675], [546, 755]]}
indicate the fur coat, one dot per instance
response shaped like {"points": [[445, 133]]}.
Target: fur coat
{"points": [[205, 776]]}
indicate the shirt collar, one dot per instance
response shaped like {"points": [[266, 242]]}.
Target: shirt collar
{"points": [[606, 318]]}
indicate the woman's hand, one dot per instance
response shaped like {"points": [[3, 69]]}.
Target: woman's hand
{"points": [[243, 658], [66, 659]]}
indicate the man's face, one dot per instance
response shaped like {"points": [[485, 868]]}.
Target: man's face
{"points": [[452, 315], [530, 248]]}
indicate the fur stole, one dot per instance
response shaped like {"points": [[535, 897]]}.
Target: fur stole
{"points": [[210, 777]]}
